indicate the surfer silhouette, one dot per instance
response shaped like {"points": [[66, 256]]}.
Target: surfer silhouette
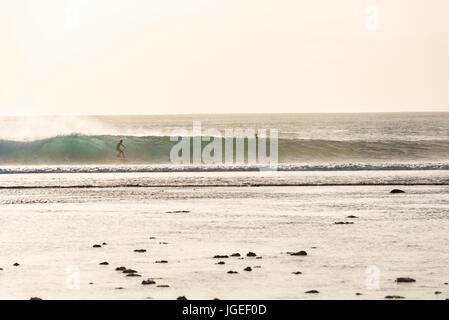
{"points": [[120, 154]]}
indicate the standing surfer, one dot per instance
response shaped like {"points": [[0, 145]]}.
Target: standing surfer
{"points": [[120, 151]]}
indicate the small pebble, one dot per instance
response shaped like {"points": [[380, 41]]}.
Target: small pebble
{"points": [[16, 264], [181, 298], [149, 281], [161, 261], [235, 255], [297, 272], [221, 256], [120, 269], [133, 275], [248, 269], [35, 298], [405, 279], [299, 253], [140, 250], [105, 263], [312, 291], [232, 272], [251, 254], [220, 262], [394, 297], [96, 246]]}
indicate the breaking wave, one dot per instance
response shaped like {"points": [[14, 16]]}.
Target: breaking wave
{"points": [[294, 154]]}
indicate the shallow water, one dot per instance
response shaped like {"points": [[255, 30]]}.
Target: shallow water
{"points": [[50, 232]]}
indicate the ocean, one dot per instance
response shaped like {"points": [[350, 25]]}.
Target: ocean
{"points": [[62, 190]]}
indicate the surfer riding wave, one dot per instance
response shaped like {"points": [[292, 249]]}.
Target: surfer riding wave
{"points": [[120, 154]]}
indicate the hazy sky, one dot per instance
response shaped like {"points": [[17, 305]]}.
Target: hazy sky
{"points": [[221, 56]]}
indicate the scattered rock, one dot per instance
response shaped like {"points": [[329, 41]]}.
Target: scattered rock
{"points": [[152, 238], [438, 292], [163, 286], [161, 261], [221, 256], [1, 269], [133, 275], [394, 297], [312, 291], [248, 269], [220, 262], [163, 242], [119, 288], [105, 263], [104, 243], [96, 246], [343, 222], [297, 272], [235, 255], [181, 298], [446, 283], [120, 269], [405, 279], [91, 283], [129, 271], [232, 272], [16, 264], [351, 217], [397, 191], [35, 298], [251, 254], [140, 250], [299, 253], [358, 294], [149, 281], [178, 211]]}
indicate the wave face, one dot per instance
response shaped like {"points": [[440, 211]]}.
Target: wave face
{"points": [[100, 149]]}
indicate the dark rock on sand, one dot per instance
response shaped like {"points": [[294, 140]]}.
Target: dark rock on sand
{"points": [[133, 275], [140, 250], [152, 238], [1, 269], [297, 272], [163, 242], [351, 217], [96, 246], [358, 294], [299, 253], [220, 262], [129, 271], [181, 298], [105, 263], [161, 261], [397, 191], [235, 255], [343, 222], [104, 243], [394, 297], [248, 269], [163, 286], [221, 256], [120, 269], [16, 264], [147, 282], [91, 283], [35, 298], [438, 292], [312, 291], [251, 254], [232, 272], [178, 211], [119, 288], [405, 279]]}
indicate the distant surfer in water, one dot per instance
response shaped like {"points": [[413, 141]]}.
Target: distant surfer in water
{"points": [[121, 154]]}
